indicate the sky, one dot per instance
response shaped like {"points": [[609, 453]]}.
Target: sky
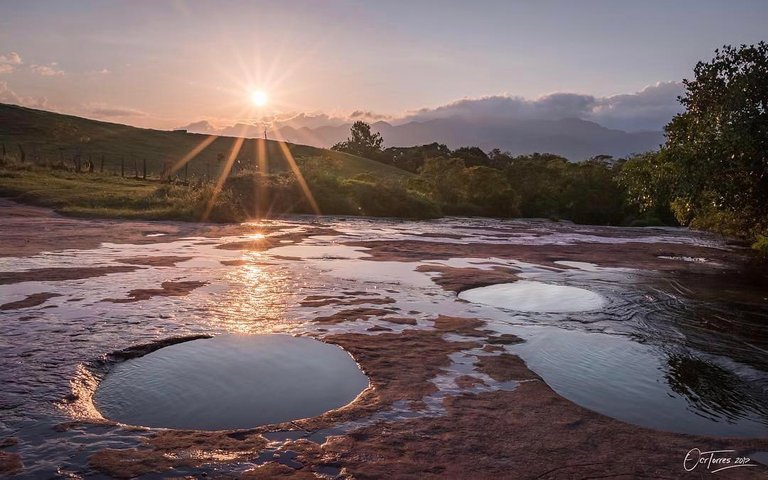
{"points": [[168, 63]]}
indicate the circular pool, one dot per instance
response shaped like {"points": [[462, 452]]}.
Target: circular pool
{"points": [[229, 382], [528, 296]]}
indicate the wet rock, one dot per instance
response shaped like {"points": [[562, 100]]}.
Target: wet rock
{"points": [[8, 442], [10, 463], [31, 301], [504, 339], [638, 254], [505, 367], [234, 263], [322, 301], [457, 280], [377, 328], [171, 449], [168, 289], [353, 314], [58, 274], [468, 381], [164, 261], [277, 470]]}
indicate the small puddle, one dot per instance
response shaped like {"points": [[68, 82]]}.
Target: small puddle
{"points": [[528, 296], [229, 382]]}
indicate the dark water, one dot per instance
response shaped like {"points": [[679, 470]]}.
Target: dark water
{"points": [[230, 381], [683, 353]]}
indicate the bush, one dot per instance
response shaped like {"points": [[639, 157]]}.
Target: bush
{"points": [[761, 246]]}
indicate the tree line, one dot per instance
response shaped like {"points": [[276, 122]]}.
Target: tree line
{"points": [[711, 173]]}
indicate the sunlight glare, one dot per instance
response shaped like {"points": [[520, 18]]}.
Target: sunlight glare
{"points": [[259, 98]]}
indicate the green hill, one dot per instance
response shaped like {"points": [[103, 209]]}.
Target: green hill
{"points": [[50, 138], [44, 158]]}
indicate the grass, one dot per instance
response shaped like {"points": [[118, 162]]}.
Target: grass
{"points": [[52, 142], [50, 138], [94, 195]]}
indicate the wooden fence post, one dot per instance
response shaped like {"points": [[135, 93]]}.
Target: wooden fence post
{"points": [[144, 170]]}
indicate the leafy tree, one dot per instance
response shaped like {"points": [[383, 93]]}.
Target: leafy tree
{"points": [[443, 179], [488, 188], [718, 147], [472, 156], [362, 142], [539, 179], [413, 158]]}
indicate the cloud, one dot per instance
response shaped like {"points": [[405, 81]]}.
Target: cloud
{"points": [[367, 115], [203, 126], [107, 111], [9, 62], [308, 120], [7, 95], [648, 109], [12, 58], [50, 70]]}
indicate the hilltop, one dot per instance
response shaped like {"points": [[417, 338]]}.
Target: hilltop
{"points": [[84, 167], [53, 138]]}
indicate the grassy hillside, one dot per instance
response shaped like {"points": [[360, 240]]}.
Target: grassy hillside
{"points": [[50, 138], [43, 157]]}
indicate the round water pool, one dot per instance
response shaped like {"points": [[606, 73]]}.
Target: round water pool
{"points": [[528, 296], [230, 381]]}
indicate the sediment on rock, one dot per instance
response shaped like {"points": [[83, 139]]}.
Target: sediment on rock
{"points": [[31, 301], [168, 289], [59, 274]]}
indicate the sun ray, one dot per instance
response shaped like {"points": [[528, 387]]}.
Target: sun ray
{"points": [[192, 154], [223, 176], [260, 183], [297, 172]]}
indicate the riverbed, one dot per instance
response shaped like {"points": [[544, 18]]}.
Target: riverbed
{"points": [[658, 335]]}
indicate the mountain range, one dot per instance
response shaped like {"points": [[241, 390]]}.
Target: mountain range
{"points": [[573, 138]]}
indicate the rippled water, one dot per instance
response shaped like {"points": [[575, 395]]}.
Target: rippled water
{"points": [[669, 351]]}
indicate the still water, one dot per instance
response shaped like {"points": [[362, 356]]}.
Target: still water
{"points": [[230, 381], [656, 348]]}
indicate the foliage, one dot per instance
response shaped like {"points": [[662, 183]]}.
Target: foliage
{"points": [[262, 195], [95, 195], [713, 169], [720, 143], [761, 246], [361, 142]]}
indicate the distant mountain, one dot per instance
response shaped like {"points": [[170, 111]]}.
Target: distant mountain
{"points": [[573, 138]]}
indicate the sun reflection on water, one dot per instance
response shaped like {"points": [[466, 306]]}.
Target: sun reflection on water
{"points": [[257, 300]]}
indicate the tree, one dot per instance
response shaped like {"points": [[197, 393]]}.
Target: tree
{"points": [[444, 179], [362, 142], [718, 146]]}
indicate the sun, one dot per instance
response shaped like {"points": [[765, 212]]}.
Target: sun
{"points": [[259, 98]]}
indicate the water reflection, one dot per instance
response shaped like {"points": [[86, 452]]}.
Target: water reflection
{"points": [[714, 391], [256, 299]]}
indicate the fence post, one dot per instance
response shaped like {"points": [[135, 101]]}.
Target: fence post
{"points": [[144, 170], [186, 172], [122, 167], [101, 169], [23, 153]]}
